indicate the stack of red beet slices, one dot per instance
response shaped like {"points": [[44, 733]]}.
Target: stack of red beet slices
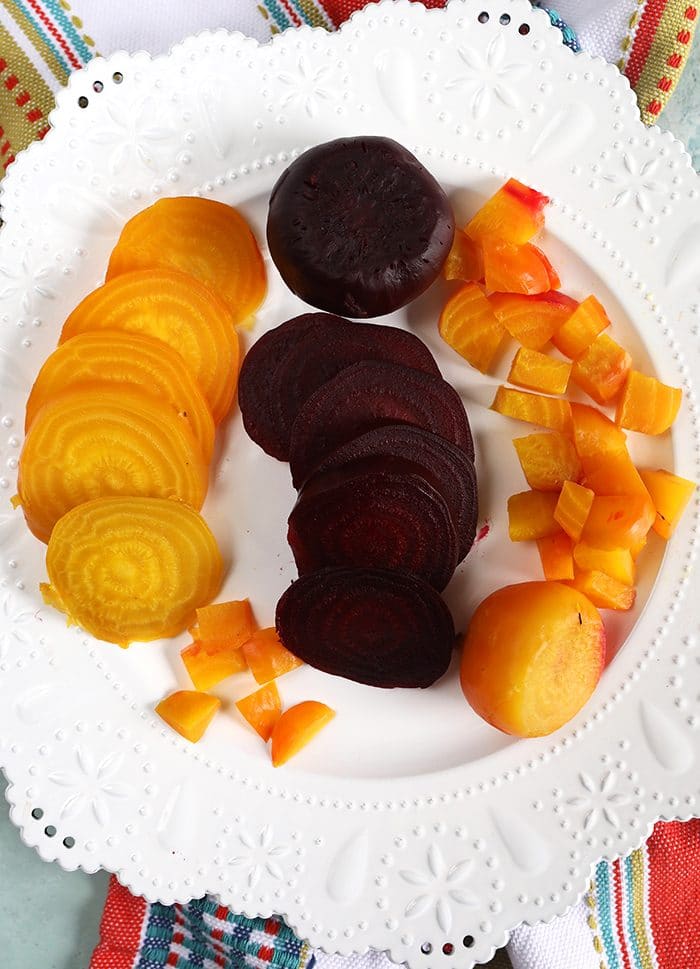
{"points": [[381, 452]]}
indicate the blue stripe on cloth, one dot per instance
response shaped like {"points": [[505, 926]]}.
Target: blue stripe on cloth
{"points": [[79, 45], [602, 894], [25, 11]]}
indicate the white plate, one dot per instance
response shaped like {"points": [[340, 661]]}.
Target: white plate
{"points": [[408, 823]]}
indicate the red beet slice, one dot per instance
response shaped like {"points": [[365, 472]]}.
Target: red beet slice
{"points": [[374, 626], [379, 520], [287, 364], [358, 226], [402, 449], [369, 395]]}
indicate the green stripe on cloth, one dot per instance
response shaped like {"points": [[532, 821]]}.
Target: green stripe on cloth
{"points": [[203, 930]]}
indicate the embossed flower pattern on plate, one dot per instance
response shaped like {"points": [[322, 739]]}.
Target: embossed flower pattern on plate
{"points": [[598, 800], [260, 855], [487, 76], [27, 282], [438, 887], [635, 183], [92, 785], [134, 133], [13, 625], [306, 86]]}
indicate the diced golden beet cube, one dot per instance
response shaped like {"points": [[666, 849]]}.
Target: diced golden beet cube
{"points": [[469, 325], [612, 473], [615, 562], [602, 369], [515, 213], [225, 623], [516, 269], [604, 591], [670, 494], [647, 405], [188, 712], [210, 663], [594, 433], [552, 412], [262, 709], [296, 727], [548, 460], [267, 657], [618, 521], [572, 508], [465, 260], [556, 555], [537, 371], [531, 515], [580, 330], [532, 320]]}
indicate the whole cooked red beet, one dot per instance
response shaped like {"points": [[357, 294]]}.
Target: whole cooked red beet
{"points": [[374, 626], [287, 364], [376, 519], [402, 449], [358, 226], [368, 395]]}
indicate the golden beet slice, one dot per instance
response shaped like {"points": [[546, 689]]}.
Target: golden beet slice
{"points": [[100, 441], [117, 357], [206, 239], [129, 569], [175, 309]]}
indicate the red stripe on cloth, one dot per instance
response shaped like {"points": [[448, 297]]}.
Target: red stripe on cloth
{"points": [[43, 132], [266, 952], [34, 114], [8, 161], [674, 893], [22, 99], [272, 926], [644, 38], [3, 64], [619, 915], [11, 82], [54, 33], [340, 10], [5, 148], [172, 959], [120, 930]]}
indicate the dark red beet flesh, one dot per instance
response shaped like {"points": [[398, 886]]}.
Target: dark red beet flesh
{"points": [[374, 626], [358, 226], [379, 520], [369, 395], [402, 449], [287, 364]]}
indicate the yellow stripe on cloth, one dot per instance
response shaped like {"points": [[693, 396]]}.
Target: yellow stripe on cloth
{"points": [[667, 58], [25, 97], [640, 915], [37, 41]]}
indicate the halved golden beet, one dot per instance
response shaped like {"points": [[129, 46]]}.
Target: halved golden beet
{"points": [[532, 656]]}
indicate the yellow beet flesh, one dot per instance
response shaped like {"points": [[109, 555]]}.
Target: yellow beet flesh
{"points": [[532, 656], [129, 569]]}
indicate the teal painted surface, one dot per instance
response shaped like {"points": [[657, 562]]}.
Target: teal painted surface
{"points": [[49, 918]]}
